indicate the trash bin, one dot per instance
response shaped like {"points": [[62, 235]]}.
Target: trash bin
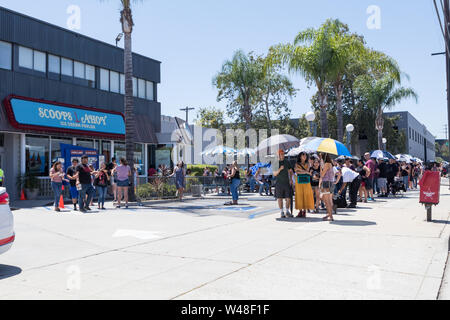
{"points": [[197, 191]]}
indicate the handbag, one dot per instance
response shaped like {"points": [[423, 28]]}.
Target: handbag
{"points": [[303, 179]]}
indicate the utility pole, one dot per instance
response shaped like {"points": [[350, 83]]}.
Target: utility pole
{"points": [[187, 109], [445, 28], [447, 55]]}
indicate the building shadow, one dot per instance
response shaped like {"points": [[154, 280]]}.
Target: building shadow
{"points": [[8, 271]]}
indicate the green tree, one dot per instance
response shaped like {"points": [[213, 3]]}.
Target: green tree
{"points": [[274, 94], [210, 117], [313, 56], [238, 82], [380, 94]]}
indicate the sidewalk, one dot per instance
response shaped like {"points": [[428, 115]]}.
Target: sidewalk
{"points": [[200, 250]]}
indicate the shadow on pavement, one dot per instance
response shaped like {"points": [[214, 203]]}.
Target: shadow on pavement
{"points": [[8, 271], [354, 223], [441, 221]]}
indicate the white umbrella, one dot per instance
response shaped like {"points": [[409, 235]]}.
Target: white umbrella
{"points": [[219, 150], [246, 152], [283, 141]]}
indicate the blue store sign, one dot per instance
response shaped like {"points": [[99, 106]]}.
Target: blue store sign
{"points": [[26, 113]]}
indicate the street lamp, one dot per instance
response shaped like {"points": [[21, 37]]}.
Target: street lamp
{"points": [[119, 37], [310, 117], [350, 128], [384, 143]]}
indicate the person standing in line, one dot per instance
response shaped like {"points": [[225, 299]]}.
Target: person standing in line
{"points": [[304, 198], [72, 175], [283, 186], [382, 177], [235, 178], [364, 171], [327, 184], [123, 182], [370, 164], [101, 181], [404, 172], [352, 178], [113, 181], [57, 177], [86, 192], [416, 175], [315, 177], [180, 182]]}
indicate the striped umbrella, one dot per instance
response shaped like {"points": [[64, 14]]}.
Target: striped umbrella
{"points": [[327, 145]]}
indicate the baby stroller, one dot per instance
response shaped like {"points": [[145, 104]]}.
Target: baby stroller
{"points": [[397, 187]]}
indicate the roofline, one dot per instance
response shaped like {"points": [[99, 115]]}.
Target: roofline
{"points": [[73, 32]]}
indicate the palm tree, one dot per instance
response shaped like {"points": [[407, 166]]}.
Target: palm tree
{"points": [[348, 49], [380, 94], [313, 56], [126, 19], [238, 82]]}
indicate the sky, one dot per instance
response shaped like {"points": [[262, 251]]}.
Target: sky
{"points": [[194, 38]]}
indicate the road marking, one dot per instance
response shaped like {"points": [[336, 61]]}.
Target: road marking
{"points": [[139, 234]]}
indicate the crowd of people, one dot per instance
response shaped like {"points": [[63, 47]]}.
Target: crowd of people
{"points": [[317, 182], [85, 182]]}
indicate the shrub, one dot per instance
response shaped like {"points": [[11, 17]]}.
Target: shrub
{"points": [[197, 170]]}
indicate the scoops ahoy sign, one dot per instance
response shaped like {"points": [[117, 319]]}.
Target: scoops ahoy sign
{"points": [[27, 113]]}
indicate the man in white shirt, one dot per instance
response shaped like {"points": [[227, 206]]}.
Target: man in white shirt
{"points": [[352, 178]]}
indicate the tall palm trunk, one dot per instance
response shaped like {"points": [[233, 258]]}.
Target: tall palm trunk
{"points": [[269, 121], [323, 114], [379, 123], [339, 112], [130, 132]]}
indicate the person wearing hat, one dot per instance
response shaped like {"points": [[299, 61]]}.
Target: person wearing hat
{"points": [[283, 186]]}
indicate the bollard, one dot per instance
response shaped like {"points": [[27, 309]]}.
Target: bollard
{"points": [[429, 213]]}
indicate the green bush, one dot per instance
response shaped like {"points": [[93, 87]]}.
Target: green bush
{"points": [[197, 170], [156, 189]]}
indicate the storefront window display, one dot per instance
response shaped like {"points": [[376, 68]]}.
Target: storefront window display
{"points": [[119, 150], [139, 159], [85, 143], [106, 150], [37, 155], [56, 147]]}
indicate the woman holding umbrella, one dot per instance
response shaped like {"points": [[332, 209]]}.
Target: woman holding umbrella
{"points": [[304, 198]]}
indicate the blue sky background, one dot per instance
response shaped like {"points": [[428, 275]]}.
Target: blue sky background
{"points": [[193, 39]]}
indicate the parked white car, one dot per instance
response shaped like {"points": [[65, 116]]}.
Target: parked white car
{"points": [[7, 235]]}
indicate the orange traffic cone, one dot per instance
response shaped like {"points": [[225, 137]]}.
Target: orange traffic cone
{"points": [[61, 200], [22, 196]]}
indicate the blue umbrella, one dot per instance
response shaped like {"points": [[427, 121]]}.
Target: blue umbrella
{"points": [[258, 166], [381, 154]]}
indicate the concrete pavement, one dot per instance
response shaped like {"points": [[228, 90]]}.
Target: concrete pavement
{"points": [[202, 250]]}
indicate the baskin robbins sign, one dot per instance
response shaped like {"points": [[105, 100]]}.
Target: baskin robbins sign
{"points": [[41, 115]]}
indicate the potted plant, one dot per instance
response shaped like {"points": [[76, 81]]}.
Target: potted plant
{"points": [[30, 183]]}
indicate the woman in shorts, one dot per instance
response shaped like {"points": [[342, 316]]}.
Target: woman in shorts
{"points": [[315, 177], [327, 185], [123, 181]]}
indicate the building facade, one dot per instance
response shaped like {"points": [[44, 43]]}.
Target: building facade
{"points": [[420, 142], [58, 87]]}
